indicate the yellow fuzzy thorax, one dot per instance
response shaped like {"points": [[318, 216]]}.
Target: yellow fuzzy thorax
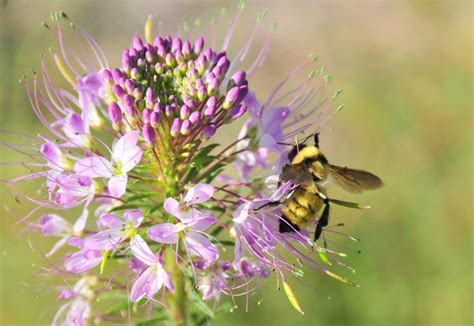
{"points": [[305, 152]]}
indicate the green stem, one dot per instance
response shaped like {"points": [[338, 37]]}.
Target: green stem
{"points": [[177, 300]]}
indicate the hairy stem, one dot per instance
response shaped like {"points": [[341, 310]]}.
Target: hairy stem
{"points": [[177, 300]]}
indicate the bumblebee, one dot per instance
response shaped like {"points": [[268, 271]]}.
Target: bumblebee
{"points": [[310, 170]]}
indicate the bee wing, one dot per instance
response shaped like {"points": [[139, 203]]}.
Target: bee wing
{"points": [[354, 180], [296, 173]]}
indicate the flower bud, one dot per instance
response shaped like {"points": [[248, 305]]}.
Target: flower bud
{"points": [[133, 53], [176, 44], [184, 112], [129, 105], [126, 61], [202, 93], [117, 75], [107, 75], [194, 117], [209, 130], [212, 86], [239, 77], [115, 113], [155, 119], [198, 45], [129, 85], [134, 73], [118, 91], [149, 134], [158, 42], [146, 115], [149, 97], [186, 50], [137, 43], [169, 59], [175, 127], [185, 127], [238, 110]]}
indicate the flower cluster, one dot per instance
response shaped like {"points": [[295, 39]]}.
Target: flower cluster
{"points": [[134, 148]]}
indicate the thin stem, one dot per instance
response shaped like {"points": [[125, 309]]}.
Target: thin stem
{"points": [[177, 300]]}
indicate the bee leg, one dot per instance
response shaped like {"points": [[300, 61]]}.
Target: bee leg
{"points": [[269, 204], [287, 226], [322, 222]]}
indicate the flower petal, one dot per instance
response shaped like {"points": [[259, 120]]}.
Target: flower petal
{"points": [[130, 158], [163, 233], [171, 206], [104, 240], [199, 245], [82, 261], [123, 143], [141, 251], [58, 245], [135, 216], [52, 224], [94, 166], [201, 224], [162, 275], [81, 222], [145, 285], [111, 221], [199, 194], [118, 185]]}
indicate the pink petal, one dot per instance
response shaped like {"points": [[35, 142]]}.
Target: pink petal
{"points": [[111, 221], [171, 206], [94, 166], [199, 194], [130, 158], [104, 240], [146, 285], [76, 242], [58, 245], [135, 216], [82, 261], [141, 251], [240, 215], [81, 221], [202, 224], [125, 142], [118, 185], [199, 245], [163, 233], [52, 224], [162, 275]]}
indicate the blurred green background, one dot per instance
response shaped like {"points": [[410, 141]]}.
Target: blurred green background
{"points": [[406, 70]]}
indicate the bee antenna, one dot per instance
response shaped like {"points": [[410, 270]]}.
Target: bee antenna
{"points": [[306, 139], [286, 144]]}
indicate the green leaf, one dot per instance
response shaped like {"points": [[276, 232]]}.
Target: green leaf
{"points": [[195, 298], [151, 322], [122, 306], [227, 243], [124, 207]]}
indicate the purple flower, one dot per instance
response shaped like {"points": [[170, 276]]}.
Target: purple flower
{"points": [[72, 189], [117, 230], [191, 226], [89, 92], [82, 260], [125, 156], [153, 278], [55, 225], [78, 311]]}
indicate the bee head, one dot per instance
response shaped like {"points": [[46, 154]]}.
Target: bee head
{"points": [[305, 150]]}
